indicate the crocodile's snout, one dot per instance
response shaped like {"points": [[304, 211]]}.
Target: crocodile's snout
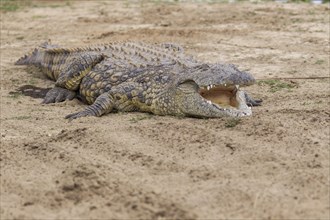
{"points": [[213, 101]]}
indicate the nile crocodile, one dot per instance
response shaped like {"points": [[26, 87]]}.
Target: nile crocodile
{"points": [[156, 78]]}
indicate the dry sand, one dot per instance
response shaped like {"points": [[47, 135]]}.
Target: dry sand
{"points": [[273, 165]]}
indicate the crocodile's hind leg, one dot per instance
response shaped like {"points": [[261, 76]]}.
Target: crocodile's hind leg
{"points": [[75, 69]]}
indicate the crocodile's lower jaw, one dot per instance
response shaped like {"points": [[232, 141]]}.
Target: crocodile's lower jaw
{"points": [[227, 98]]}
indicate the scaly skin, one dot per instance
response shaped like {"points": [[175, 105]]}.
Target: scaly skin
{"points": [[159, 79]]}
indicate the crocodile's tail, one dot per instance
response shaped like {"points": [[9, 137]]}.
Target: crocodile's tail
{"points": [[36, 56], [28, 59]]}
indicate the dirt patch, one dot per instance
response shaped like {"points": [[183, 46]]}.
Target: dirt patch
{"points": [[273, 165]]}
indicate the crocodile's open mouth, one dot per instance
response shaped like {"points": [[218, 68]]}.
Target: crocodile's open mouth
{"points": [[225, 97]]}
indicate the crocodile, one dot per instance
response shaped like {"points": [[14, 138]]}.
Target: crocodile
{"points": [[134, 76]]}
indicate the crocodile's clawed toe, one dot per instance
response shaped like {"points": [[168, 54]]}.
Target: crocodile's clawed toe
{"points": [[252, 102], [256, 102], [77, 115], [58, 94]]}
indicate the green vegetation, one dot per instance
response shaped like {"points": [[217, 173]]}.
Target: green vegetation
{"points": [[19, 38], [298, 1], [9, 5], [226, 1], [14, 81], [232, 122], [50, 4], [277, 85], [312, 102], [32, 81], [306, 1], [14, 5], [291, 72], [23, 117], [38, 16], [140, 118], [15, 95], [319, 62], [54, 5]]}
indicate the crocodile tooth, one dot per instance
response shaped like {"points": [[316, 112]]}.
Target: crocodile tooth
{"points": [[208, 87], [225, 84], [237, 86], [209, 102]]}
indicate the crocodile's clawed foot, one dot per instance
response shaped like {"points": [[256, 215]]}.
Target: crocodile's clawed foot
{"points": [[58, 94], [79, 115], [252, 102], [255, 102], [103, 104]]}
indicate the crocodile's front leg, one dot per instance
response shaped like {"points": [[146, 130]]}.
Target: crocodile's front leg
{"points": [[75, 69], [123, 98], [102, 105]]}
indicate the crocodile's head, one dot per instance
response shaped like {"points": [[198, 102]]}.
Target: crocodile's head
{"points": [[213, 91]]}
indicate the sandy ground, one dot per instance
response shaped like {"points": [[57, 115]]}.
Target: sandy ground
{"points": [[273, 165]]}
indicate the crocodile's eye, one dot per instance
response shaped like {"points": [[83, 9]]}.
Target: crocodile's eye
{"points": [[188, 86], [221, 95]]}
